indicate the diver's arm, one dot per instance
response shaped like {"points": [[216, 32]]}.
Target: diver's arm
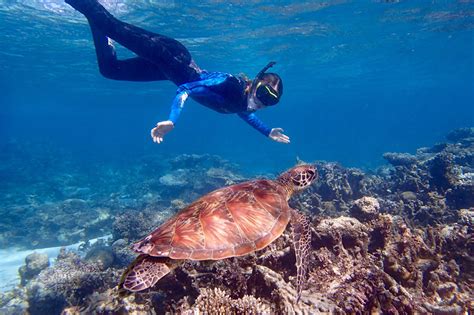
{"points": [[275, 134], [255, 122], [163, 127], [178, 104], [184, 91]]}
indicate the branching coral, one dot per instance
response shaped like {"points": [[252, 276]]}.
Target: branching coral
{"points": [[216, 301]]}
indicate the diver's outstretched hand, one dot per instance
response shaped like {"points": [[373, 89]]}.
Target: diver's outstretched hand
{"points": [[277, 135], [161, 129]]}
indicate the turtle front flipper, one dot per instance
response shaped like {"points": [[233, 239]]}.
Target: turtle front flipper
{"points": [[301, 234], [144, 272]]}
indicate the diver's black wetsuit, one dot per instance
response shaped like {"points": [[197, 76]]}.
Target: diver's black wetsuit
{"points": [[164, 58]]}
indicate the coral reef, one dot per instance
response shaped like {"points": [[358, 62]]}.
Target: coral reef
{"points": [[400, 159], [132, 224], [437, 185], [34, 264], [429, 189], [14, 302], [68, 203], [69, 281], [365, 208], [122, 253], [112, 302], [398, 240], [101, 256]]}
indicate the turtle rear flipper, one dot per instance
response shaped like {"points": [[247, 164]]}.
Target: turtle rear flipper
{"points": [[144, 272], [301, 233]]}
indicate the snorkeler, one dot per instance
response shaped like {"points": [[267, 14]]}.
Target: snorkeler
{"points": [[162, 58]]}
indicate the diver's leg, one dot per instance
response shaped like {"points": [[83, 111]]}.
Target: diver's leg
{"points": [[133, 69], [169, 54]]}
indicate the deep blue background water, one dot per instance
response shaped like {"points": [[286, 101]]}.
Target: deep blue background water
{"points": [[360, 78]]}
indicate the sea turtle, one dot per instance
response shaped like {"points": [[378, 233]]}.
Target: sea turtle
{"points": [[232, 221]]}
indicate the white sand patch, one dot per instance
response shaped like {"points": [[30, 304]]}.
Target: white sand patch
{"points": [[11, 259]]}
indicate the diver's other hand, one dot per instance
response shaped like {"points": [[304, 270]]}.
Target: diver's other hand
{"points": [[161, 129], [277, 135]]}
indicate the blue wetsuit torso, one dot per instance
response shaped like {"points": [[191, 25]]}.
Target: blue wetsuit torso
{"points": [[221, 92]]}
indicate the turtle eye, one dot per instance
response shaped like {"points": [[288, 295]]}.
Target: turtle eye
{"points": [[299, 180], [296, 182]]}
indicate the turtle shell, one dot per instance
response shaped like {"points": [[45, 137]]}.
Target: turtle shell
{"points": [[231, 221]]}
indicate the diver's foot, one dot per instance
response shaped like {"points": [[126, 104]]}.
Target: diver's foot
{"points": [[83, 6]]}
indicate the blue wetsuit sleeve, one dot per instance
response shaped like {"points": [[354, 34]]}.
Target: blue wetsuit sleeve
{"points": [[255, 122], [197, 88], [177, 106]]}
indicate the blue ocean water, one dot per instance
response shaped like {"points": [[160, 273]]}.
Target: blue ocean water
{"points": [[360, 78]]}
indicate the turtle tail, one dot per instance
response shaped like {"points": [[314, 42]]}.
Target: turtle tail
{"points": [[144, 272]]}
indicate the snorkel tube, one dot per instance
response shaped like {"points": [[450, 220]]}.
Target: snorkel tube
{"points": [[268, 66]]}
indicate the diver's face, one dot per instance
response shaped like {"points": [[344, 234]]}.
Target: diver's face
{"points": [[262, 95], [253, 103]]}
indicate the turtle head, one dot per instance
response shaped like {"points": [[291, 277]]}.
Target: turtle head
{"points": [[299, 177]]}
